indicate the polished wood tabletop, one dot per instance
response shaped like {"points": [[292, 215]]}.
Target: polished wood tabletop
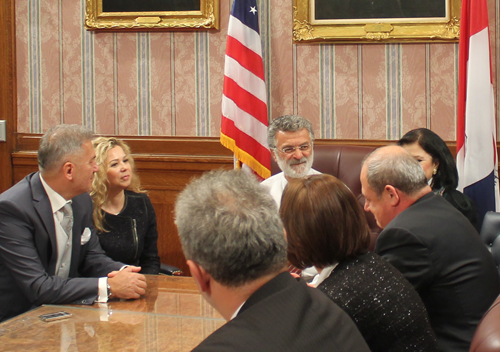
{"points": [[171, 316], [175, 295]]}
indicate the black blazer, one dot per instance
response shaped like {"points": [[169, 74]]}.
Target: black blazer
{"points": [[132, 235], [287, 315], [28, 251], [438, 250]]}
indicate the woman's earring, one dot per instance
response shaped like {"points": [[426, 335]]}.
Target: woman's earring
{"points": [[434, 171]]}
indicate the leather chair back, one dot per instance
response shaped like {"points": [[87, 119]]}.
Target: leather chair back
{"points": [[343, 162], [490, 234], [487, 335]]}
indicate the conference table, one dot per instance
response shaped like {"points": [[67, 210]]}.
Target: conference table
{"points": [[171, 316]]}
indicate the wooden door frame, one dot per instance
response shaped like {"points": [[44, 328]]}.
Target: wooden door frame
{"points": [[8, 91]]}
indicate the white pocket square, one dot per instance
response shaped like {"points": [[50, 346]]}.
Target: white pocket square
{"points": [[86, 235]]}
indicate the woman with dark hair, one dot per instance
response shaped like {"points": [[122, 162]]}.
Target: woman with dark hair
{"points": [[440, 169], [326, 228]]}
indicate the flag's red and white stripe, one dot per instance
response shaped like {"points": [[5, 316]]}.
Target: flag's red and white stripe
{"points": [[476, 131], [244, 104]]}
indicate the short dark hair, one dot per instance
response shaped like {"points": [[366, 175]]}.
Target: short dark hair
{"points": [[446, 175], [59, 142], [288, 123], [229, 224], [323, 220]]}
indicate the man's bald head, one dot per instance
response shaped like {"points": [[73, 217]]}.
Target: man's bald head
{"points": [[393, 165]]}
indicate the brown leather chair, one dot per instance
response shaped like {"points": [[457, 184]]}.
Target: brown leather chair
{"points": [[487, 335], [343, 162]]}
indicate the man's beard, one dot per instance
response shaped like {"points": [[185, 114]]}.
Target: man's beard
{"points": [[298, 171]]}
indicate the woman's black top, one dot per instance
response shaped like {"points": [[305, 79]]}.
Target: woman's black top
{"points": [[384, 305], [132, 237]]}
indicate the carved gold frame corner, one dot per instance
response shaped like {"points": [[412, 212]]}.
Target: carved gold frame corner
{"points": [[306, 30], [206, 18]]}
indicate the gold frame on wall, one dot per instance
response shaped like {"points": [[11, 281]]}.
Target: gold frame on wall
{"points": [[307, 29], [206, 18]]}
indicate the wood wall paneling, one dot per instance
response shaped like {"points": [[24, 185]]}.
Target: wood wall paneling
{"points": [[164, 178]]}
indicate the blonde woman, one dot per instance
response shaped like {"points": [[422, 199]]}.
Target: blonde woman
{"points": [[124, 217]]}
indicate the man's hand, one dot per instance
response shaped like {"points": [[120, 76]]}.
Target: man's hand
{"points": [[127, 283], [135, 269]]}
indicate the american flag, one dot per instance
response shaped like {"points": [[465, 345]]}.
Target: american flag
{"points": [[476, 131], [244, 104]]}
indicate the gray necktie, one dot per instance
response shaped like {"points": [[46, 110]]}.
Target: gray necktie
{"points": [[67, 221]]}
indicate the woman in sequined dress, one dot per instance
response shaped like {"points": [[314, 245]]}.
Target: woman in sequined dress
{"points": [[124, 217], [326, 228]]}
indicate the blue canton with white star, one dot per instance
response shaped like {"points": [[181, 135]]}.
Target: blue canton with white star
{"points": [[246, 11]]}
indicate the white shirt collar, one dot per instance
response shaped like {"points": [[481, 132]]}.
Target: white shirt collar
{"points": [[56, 200], [318, 279], [237, 311]]}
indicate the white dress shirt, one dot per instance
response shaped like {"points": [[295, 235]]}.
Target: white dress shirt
{"points": [[277, 183]]}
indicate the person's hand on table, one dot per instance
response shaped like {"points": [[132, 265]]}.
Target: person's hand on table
{"points": [[127, 283]]}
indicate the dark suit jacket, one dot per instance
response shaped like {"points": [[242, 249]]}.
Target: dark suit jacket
{"points": [[28, 251], [440, 253], [287, 315]]}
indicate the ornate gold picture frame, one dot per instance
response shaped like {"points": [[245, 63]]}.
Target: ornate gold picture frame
{"points": [[152, 14], [347, 21]]}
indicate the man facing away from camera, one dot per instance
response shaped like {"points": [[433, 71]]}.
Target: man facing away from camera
{"points": [[234, 242]]}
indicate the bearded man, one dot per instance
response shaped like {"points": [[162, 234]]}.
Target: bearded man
{"points": [[290, 138]]}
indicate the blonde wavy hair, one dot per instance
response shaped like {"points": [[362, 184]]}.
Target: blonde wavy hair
{"points": [[100, 183]]}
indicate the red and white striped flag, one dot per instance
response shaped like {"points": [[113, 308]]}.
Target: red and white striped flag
{"points": [[244, 104], [476, 131]]}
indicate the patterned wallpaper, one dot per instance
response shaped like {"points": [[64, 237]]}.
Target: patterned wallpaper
{"points": [[170, 83]]}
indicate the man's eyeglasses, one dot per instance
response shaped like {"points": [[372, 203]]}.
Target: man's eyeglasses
{"points": [[290, 149]]}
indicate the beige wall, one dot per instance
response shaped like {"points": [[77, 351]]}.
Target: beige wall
{"points": [[170, 83]]}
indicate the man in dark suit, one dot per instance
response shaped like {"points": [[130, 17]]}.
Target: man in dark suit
{"points": [[233, 238], [432, 244], [48, 251]]}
